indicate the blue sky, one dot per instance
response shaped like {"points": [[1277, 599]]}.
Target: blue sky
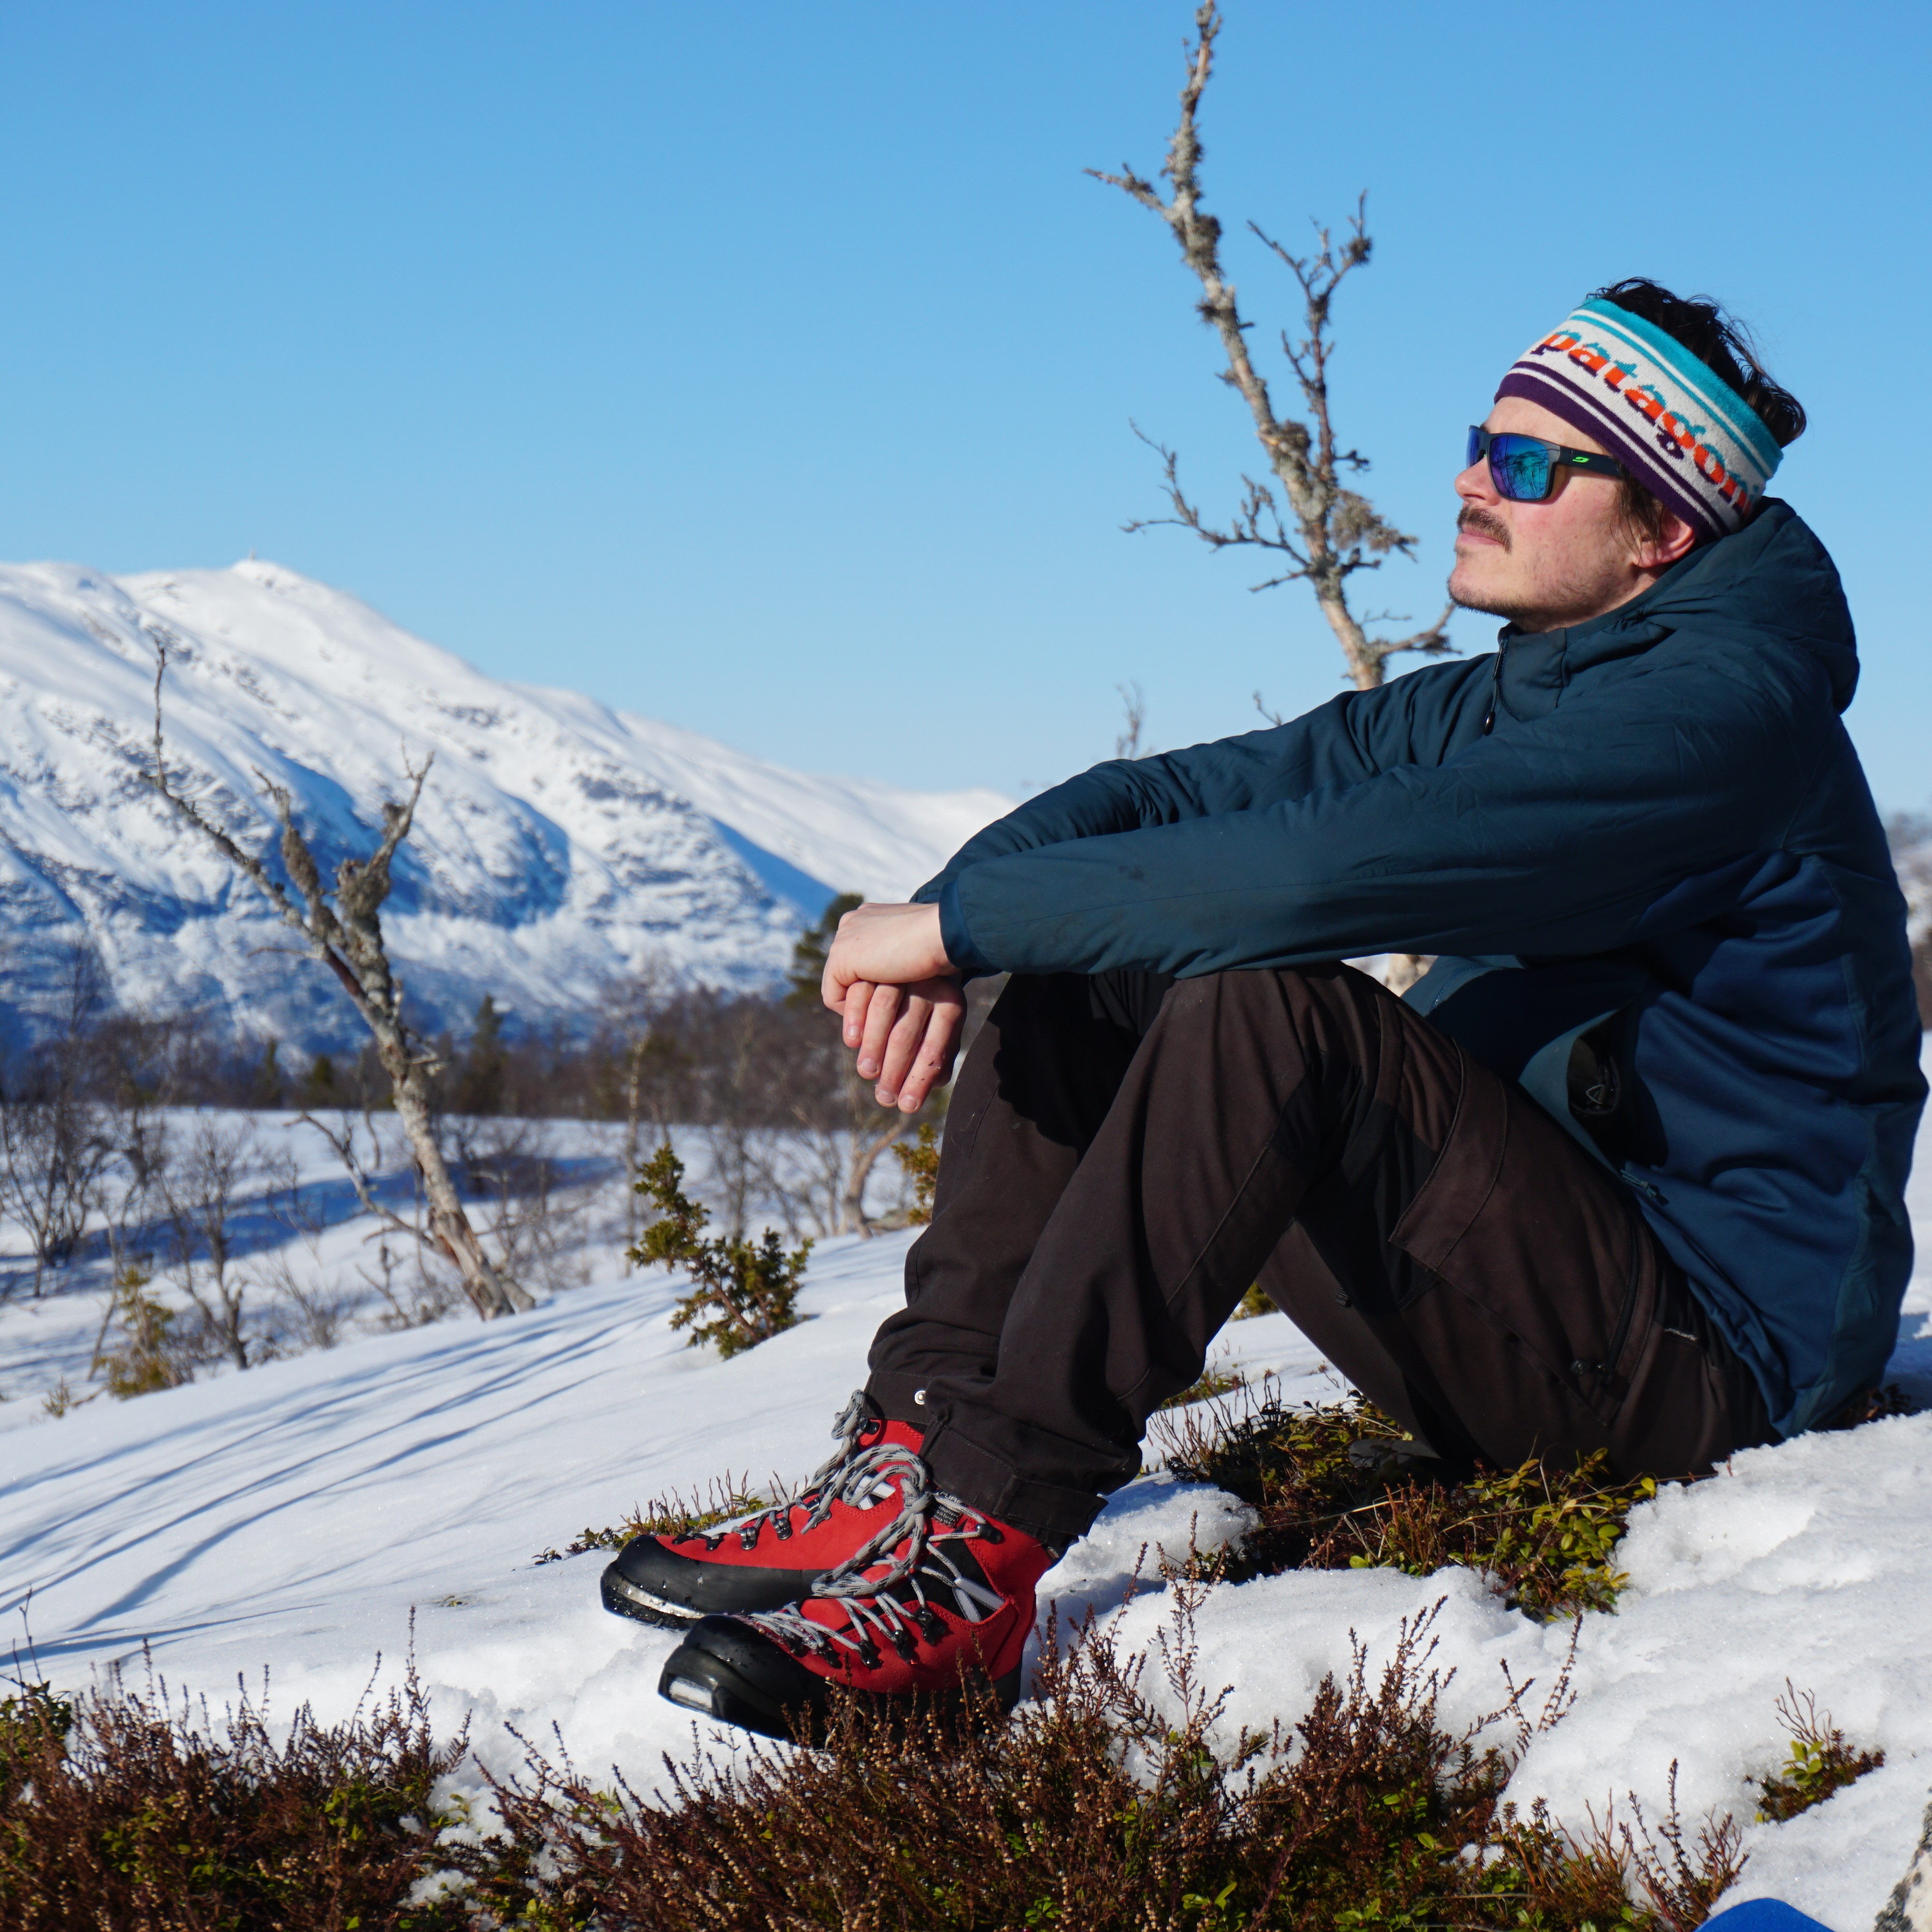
{"points": [[768, 368]]}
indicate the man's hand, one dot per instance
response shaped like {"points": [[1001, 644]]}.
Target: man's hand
{"points": [[888, 974]]}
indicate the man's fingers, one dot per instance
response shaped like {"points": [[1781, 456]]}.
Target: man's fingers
{"points": [[902, 1046], [932, 1063], [857, 997], [881, 1011]]}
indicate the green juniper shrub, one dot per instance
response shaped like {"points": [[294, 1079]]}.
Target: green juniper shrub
{"points": [[118, 1810], [1819, 1762], [146, 1357], [1103, 1805], [1251, 1304], [33, 1719], [671, 1515], [743, 1292], [1545, 1536], [919, 1161]]}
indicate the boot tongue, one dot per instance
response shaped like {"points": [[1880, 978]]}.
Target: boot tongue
{"points": [[901, 1435]]}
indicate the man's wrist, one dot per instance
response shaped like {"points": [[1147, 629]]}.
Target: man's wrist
{"points": [[965, 958]]}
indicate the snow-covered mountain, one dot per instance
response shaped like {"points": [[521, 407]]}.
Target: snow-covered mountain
{"points": [[558, 843]]}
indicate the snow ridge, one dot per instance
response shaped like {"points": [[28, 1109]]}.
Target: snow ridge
{"points": [[559, 842]]}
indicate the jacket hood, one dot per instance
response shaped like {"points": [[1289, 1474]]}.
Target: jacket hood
{"points": [[1773, 578]]}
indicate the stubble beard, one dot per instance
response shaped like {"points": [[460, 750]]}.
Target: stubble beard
{"points": [[1499, 604]]}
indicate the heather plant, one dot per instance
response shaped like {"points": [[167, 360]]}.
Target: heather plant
{"points": [[1108, 1802], [1545, 1536], [32, 1719], [1119, 1798], [743, 1292], [1819, 1763], [122, 1808]]}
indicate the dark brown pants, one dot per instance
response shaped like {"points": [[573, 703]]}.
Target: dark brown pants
{"points": [[1125, 1156]]}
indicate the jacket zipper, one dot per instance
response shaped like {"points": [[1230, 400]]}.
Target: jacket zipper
{"points": [[1495, 689]]}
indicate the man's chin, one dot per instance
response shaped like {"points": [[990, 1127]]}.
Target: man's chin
{"points": [[1468, 592]]}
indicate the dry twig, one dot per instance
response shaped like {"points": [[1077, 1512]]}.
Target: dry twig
{"points": [[1329, 531]]}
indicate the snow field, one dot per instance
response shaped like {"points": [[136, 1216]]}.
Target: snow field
{"points": [[293, 1518]]}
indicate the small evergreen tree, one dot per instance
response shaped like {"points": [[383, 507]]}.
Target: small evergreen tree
{"points": [[147, 1358], [807, 956], [479, 1084], [743, 1292], [920, 1163]]}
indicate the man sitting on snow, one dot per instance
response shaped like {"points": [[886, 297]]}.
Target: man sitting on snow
{"points": [[1623, 1172]]}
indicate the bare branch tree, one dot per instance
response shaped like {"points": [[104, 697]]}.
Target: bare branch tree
{"points": [[54, 1145], [1330, 532], [202, 1193], [304, 1307], [1133, 707], [346, 936]]}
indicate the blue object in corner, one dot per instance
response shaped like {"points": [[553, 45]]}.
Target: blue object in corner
{"points": [[1763, 1915]]}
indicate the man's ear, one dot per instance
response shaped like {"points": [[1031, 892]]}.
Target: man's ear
{"points": [[1660, 553]]}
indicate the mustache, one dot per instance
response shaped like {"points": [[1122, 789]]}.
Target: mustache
{"points": [[1474, 516]]}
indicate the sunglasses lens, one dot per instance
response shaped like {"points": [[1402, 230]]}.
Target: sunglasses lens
{"points": [[1473, 453], [1520, 467]]}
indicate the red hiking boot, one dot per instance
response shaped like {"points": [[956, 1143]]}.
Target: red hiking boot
{"points": [[765, 1561], [945, 1596]]}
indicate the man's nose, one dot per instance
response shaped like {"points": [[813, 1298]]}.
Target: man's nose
{"points": [[1476, 485]]}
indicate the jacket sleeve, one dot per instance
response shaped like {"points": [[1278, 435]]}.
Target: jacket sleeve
{"points": [[1554, 837], [1337, 744]]}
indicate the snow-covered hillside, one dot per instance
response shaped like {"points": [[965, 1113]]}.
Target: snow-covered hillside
{"points": [[559, 841], [293, 1519]]}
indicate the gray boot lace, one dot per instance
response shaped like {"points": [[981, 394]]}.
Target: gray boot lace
{"points": [[927, 1521], [854, 1476]]}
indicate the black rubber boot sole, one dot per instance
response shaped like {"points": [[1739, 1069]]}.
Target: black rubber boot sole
{"points": [[656, 1585], [725, 1670]]}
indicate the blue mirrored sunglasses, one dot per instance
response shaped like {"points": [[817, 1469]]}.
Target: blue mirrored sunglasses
{"points": [[1524, 468]]}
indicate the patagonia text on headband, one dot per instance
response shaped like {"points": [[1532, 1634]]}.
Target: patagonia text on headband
{"points": [[1682, 431]]}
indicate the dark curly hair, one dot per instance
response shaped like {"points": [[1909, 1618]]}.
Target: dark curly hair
{"points": [[1724, 346]]}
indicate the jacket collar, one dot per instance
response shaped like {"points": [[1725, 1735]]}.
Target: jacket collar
{"points": [[1772, 577]]}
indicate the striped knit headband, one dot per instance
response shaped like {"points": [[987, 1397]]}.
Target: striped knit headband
{"points": [[1682, 431]]}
